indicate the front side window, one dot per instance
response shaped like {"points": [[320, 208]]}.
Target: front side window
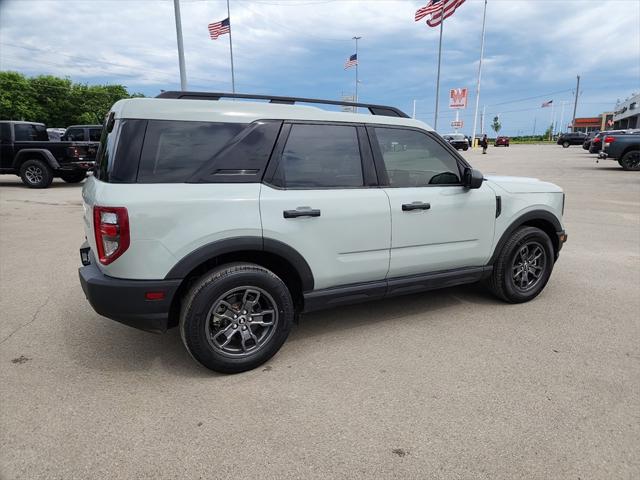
{"points": [[94, 134], [74, 135], [321, 156], [414, 159], [174, 150], [5, 132], [27, 132]]}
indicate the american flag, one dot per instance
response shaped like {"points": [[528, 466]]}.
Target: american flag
{"points": [[429, 8], [441, 13], [547, 104], [219, 28], [352, 61]]}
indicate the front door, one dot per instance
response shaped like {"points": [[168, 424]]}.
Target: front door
{"points": [[321, 200], [437, 223]]}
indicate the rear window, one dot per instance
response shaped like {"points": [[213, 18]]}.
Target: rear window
{"points": [[174, 150]]}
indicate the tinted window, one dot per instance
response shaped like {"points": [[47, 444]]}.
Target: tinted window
{"points": [[26, 132], [174, 150], [414, 159], [74, 135], [5, 132], [94, 134], [318, 156]]}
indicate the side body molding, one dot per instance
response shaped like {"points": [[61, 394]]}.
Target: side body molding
{"points": [[239, 245]]}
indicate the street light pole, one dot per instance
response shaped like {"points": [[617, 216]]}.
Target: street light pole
{"points": [[183, 71]]}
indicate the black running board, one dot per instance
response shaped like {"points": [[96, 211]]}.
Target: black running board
{"points": [[360, 292]]}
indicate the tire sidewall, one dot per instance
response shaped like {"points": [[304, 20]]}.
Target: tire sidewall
{"points": [[565, 145], [523, 236], [194, 317], [625, 161], [47, 173]]}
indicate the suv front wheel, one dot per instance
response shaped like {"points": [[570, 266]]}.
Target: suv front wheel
{"points": [[523, 266], [236, 317]]}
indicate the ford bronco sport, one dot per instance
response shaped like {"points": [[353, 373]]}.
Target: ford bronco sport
{"points": [[229, 218]]}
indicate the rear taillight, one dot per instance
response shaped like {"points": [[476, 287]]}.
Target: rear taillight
{"points": [[596, 140], [76, 152], [609, 139], [111, 226]]}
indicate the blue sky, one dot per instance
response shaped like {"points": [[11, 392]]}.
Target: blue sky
{"points": [[534, 50]]}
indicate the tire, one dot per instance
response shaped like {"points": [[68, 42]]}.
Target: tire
{"points": [[565, 144], [630, 161], [505, 278], [465, 148], [74, 177], [36, 174], [252, 338]]}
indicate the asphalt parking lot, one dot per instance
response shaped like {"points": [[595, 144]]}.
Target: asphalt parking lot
{"points": [[446, 384]]}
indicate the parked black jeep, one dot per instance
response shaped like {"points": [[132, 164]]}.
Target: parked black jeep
{"points": [[571, 138], [25, 150]]}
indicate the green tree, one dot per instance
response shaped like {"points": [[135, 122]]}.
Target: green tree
{"points": [[55, 101], [496, 125]]}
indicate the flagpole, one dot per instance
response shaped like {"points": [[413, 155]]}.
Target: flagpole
{"points": [[435, 120], [475, 113], [357, 63], [183, 71], [233, 78]]}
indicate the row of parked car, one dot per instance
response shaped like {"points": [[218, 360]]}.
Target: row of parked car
{"points": [[622, 146], [462, 142], [29, 150]]}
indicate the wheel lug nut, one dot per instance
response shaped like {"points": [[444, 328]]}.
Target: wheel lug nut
{"points": [[235, 316], [235, 326], [244, 327], [244, 312]]}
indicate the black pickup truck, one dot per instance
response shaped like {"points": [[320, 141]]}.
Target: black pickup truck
{"points": [[625, 148], [25, 150]]}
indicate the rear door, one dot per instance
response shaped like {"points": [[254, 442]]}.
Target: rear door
{"points": [[320, 198], [437, 224]]}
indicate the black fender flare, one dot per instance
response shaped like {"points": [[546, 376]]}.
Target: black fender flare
{"points": [[243, 244], [533, 215], [46, 155]]}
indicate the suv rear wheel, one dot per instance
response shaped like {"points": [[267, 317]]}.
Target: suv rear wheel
{"points": [[36, 174], [236, 317], [630, 160], [565, 144], [74, 177], [523, 266]]}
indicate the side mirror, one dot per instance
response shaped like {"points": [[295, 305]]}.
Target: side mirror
{"points": [[472, 178]]}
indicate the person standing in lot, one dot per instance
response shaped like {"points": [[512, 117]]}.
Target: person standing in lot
{"points": [[484, 143]]}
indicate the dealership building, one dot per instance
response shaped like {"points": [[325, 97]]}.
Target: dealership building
{"points": [[627, 114]]}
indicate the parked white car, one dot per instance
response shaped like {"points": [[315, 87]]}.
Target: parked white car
{"points": [[229, 218]]}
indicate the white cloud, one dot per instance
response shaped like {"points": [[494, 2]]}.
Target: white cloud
{"points": [[299, 46]]}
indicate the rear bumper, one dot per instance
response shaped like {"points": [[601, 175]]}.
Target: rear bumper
{"points": [[124, 300]]}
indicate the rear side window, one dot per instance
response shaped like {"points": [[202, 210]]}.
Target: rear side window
{"points": [[174, 150], [27, 132], [321, 156]]}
